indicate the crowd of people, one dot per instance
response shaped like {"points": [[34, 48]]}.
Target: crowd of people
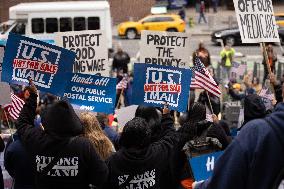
{"points": [[56, 147]]}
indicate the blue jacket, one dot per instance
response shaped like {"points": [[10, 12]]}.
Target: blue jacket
{"points": [[254, 158], [112, 135]]}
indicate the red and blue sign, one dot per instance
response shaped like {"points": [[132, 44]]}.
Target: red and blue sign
{"points": [[44, 63], [154, 85]]}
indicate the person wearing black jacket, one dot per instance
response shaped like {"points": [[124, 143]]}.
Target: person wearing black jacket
{"points": [[18, 164], [140, 163], [61, 158]]}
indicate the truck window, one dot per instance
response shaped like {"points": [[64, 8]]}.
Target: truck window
{"points": [[51, 25], [37, 25], [65, 24], [93, 23], [79, 24], [20, 29]]}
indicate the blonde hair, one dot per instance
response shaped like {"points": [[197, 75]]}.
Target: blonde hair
{"points": [[95, 134]]}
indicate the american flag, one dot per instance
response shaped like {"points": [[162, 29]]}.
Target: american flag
{"points": [[202, 79], [16, 106], [123, 83]]}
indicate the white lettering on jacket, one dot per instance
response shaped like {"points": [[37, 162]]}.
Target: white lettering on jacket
{"points": [[139, 181], [65, 166]]}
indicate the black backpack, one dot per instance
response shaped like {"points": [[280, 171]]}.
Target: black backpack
{"points": [[279, 181]]}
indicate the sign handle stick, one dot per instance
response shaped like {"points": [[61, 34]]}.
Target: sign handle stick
{"points": [[267, 63], [211, 109], [120, 97], [6, 117]]}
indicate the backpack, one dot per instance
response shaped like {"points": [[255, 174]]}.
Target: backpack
{"points": [[279, 181]]}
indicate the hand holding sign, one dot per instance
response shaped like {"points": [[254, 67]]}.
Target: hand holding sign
{"points": [[32, 88]]}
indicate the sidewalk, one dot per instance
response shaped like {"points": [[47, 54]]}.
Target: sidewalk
{"points": [[215, 21]]}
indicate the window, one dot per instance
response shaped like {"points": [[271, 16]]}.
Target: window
{"points": [[151, 19], [51, 25], [79, 24], [279, 18], [164, 19], [94, 23], [20, 28], [37, 25], [65, 24]]}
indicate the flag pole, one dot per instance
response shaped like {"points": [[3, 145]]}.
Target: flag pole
{"points": [[119, 99], [211, 109], [8, 124], [262, 45]]}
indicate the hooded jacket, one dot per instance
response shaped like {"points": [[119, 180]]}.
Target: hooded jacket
{"points": [[254, 158], [78, 164], [149, 167]]}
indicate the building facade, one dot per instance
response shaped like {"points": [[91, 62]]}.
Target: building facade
{"points": [[121, 10]]}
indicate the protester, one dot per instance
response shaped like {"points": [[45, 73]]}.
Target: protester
{"points": [[214, 100], [109, 132], [272, 59], [215, 5], [202, 13], [254, 108], [227, 56], [153, 117], [254, 159], [120, 61], [256, 84], [19, 164], [182, 13], [61, 157], [95, 134], [140, 162], [203, 54]]}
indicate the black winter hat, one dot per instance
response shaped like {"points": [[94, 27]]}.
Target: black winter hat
{"points": [[254, 108], [61, 120], [136, 134]]}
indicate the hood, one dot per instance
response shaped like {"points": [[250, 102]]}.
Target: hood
{"points": [[277, 119], [254, 108], [61, 120]]}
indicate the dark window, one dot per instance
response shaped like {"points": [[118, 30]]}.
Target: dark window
{"points": [[65, 24], [79, 24], [51, 25], [164, 19], [151, 19], [279, 18], [37, 25], [94, 23], [20, 28]]}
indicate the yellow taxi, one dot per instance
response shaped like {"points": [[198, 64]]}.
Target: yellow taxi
{"points": [[161, 22], [279, 19]]}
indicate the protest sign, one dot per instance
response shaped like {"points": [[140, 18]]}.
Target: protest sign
{"points": [[238, 69], [165, 48], [91, 92], [256, 21], [154, 85], [5, 97], [44, 63], [126, 114], [90, 48], [203, 166], [1, 59], [267, 98]]}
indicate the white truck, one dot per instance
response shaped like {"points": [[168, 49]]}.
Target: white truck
{"points": [[42, 20]]}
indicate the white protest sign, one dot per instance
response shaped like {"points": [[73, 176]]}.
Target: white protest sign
{"points": [[126, 114], [2, 51], [5, 97], [165, 48], [256, 21], [90, 48]]}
